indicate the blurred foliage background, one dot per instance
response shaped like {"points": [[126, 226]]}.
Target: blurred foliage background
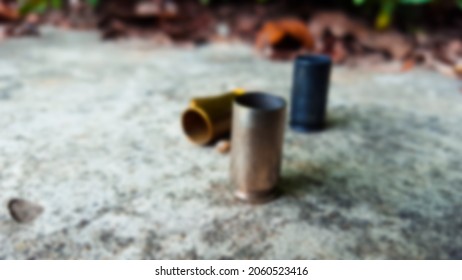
{"points": [[383, 10], [352, 32]]}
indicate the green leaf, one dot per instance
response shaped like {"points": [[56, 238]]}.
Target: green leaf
{"points": [[385, 16], [459, 3], [415, 2], [359, 2], [93, 3], [38, 6], [56, 4]]}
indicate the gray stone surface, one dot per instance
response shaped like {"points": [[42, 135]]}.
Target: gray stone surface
{"points": [[90, 131]]}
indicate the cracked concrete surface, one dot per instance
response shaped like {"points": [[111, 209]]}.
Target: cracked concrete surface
{"points": [[90, 130]]}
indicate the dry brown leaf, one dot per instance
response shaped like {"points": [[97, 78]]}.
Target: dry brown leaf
{"points": [[246, 26], [147, 9], [7, 13], [342, 27], [3, 33], [394, 43], [445, 69], [452, 51], [339, 53], [458, 69], [274, 33], [339, 24], [159, 9], [408, 64]]}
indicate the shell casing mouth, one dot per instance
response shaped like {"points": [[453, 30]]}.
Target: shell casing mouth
{"points": [[197, 126]]}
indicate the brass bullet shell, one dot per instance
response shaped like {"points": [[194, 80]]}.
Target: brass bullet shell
{"points": [[208, 118]]}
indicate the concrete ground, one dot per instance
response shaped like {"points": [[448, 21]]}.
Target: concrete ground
{"points": [[90, 131]]}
